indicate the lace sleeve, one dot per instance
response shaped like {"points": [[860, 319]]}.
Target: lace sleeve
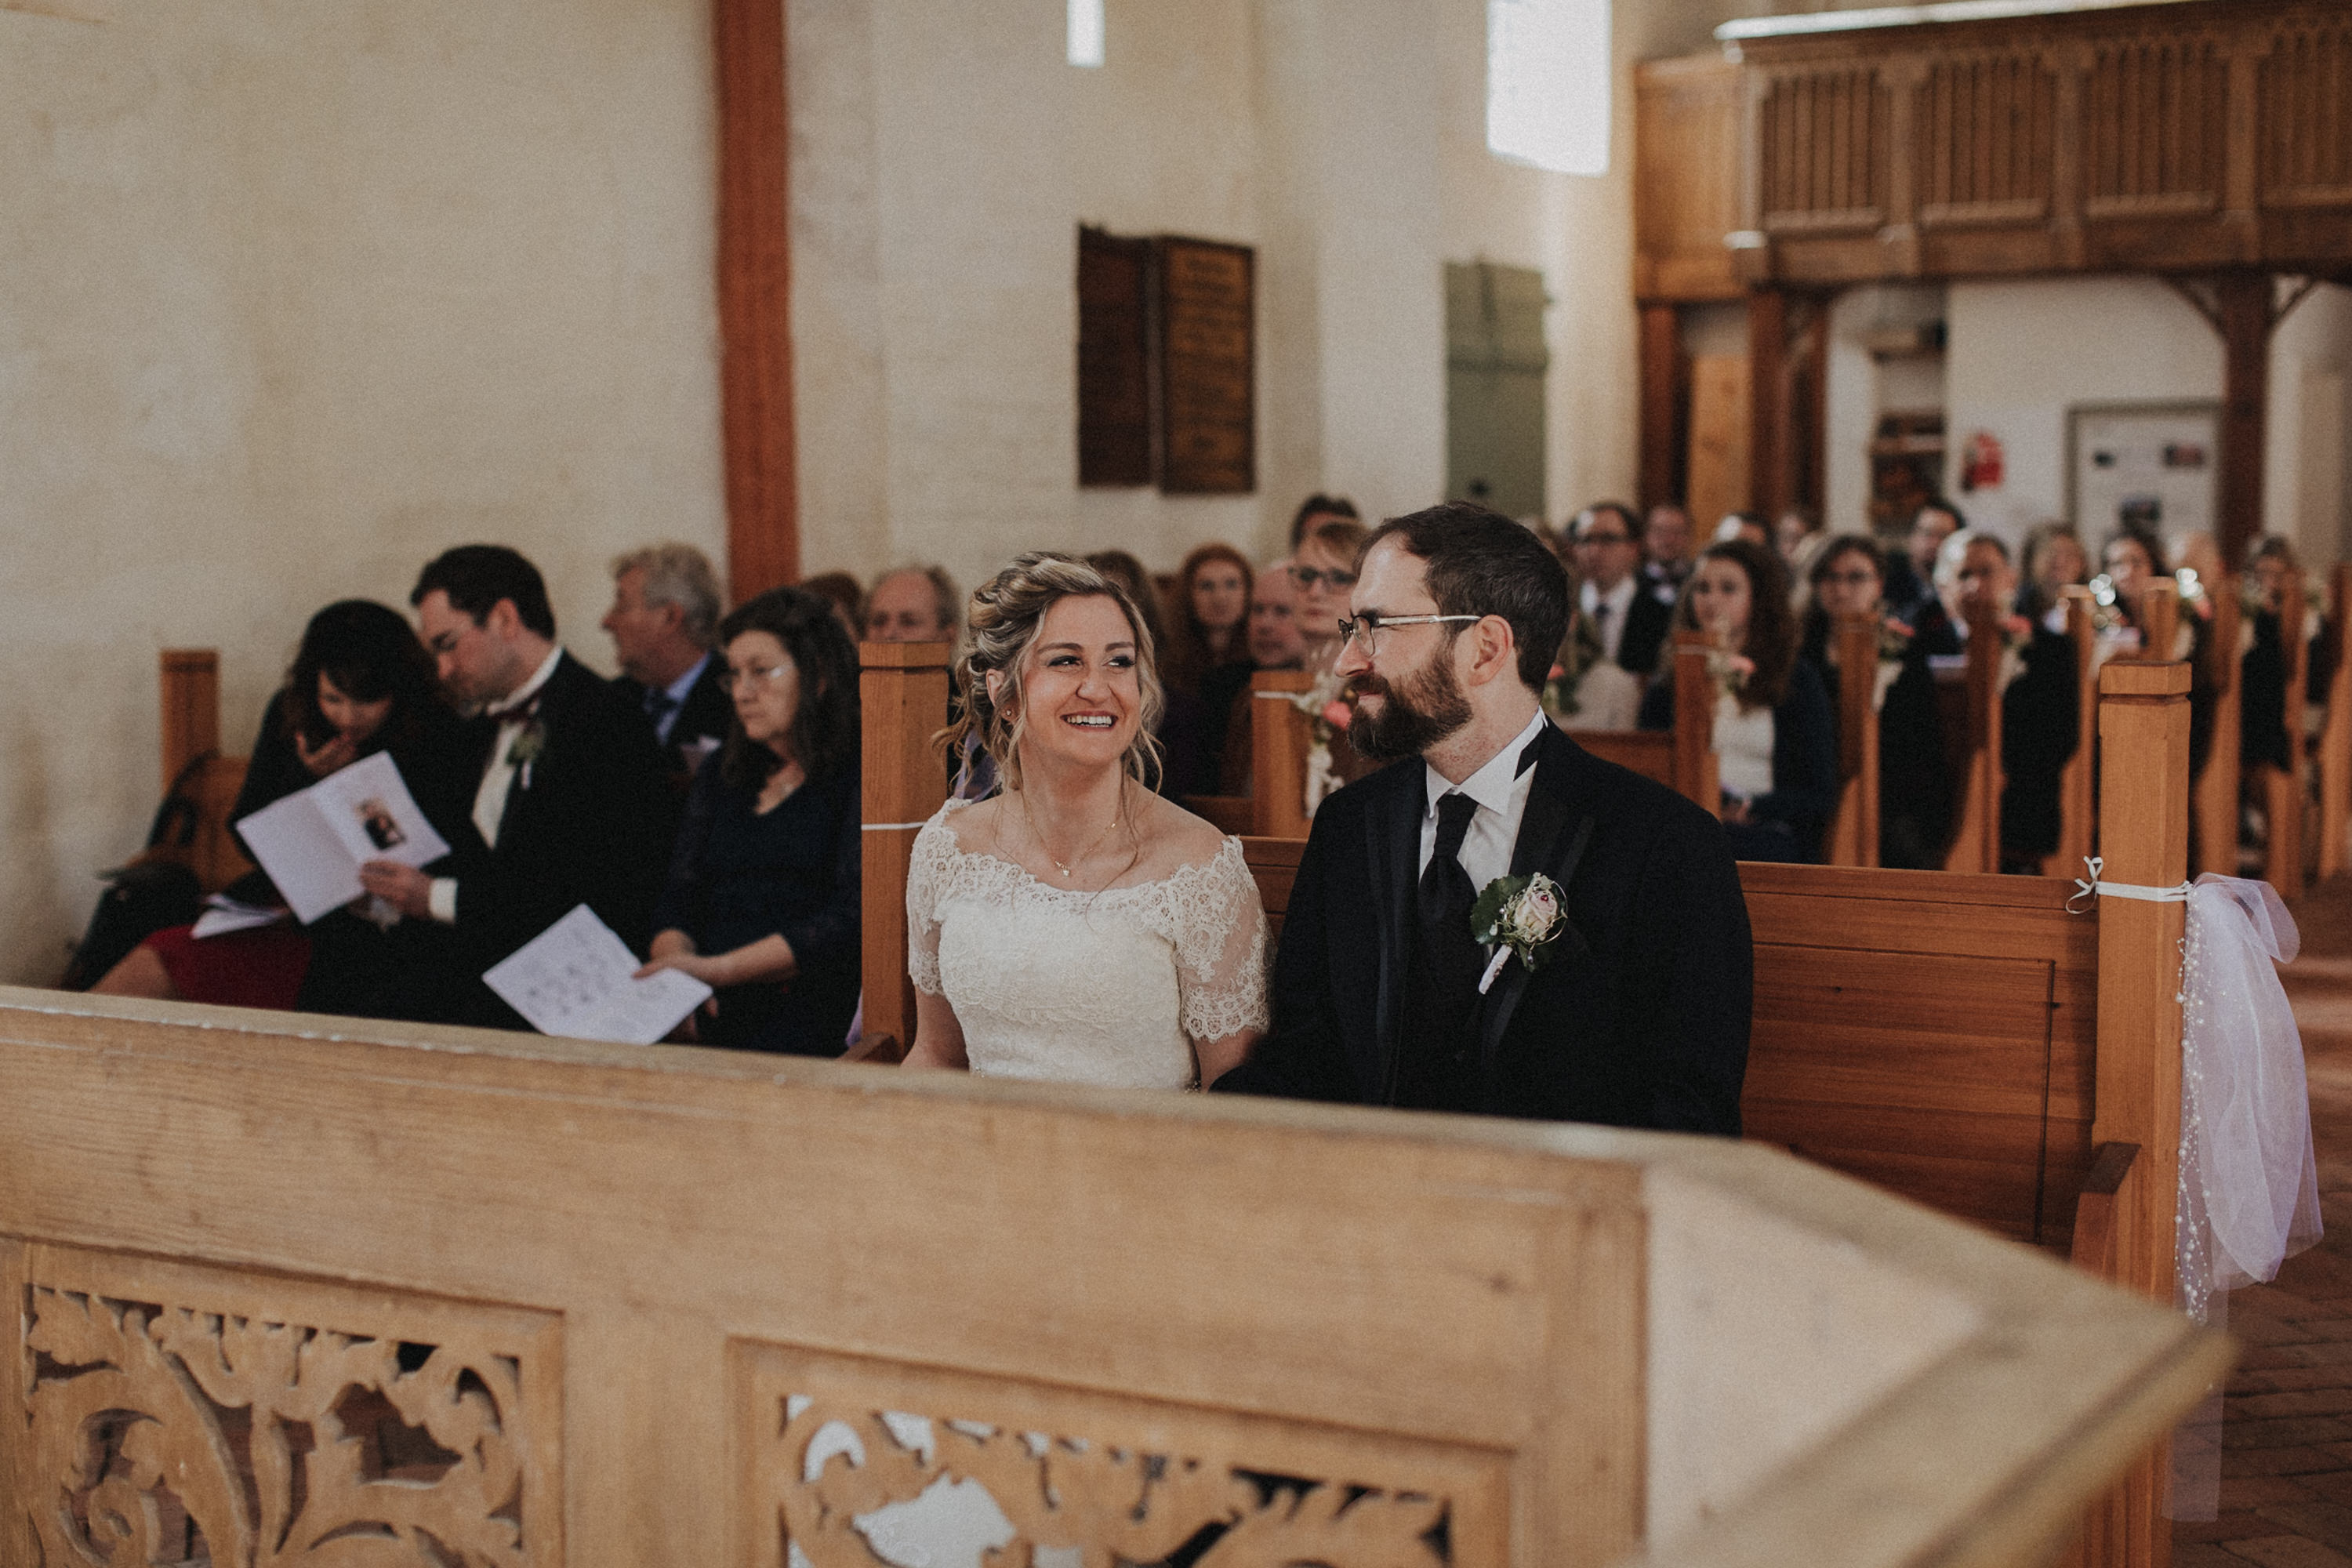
{"points": [[925, 883], [1220, 938]]}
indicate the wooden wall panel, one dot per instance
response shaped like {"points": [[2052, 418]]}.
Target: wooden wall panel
{"points": [[2157, 127], [1208, 400], [755, 313], [2307, 116], [1685, 178], [1116, 359]]}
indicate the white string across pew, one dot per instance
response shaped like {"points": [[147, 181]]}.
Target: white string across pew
{"points": [[2098, 887]]}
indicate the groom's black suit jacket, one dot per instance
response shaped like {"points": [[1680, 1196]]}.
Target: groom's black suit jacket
{"points": [[1640, 1020]]}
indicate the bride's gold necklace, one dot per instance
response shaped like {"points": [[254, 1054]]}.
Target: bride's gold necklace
{"points": [[1060, 864]]}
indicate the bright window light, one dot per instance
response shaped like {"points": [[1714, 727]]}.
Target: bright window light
{"points": [[1086, 32], [1547, 82]]}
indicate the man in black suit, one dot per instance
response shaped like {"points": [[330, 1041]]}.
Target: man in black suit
{"points": [[665, 613], [1632, 624], [574, 805], [1637, 1014]]}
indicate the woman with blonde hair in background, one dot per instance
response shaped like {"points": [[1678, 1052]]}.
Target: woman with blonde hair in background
{"points": [[1075, 927]]}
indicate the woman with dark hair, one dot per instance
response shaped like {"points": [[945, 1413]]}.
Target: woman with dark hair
{"points": [[359, 683], [2135, 557], [762, 898], [1775, 736], [1208, 657], [2054, 559]]}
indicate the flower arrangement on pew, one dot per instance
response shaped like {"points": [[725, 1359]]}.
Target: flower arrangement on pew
{"points": [[1328, 712], [1579, 652]]}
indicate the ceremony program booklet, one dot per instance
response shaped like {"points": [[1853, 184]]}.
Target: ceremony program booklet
{"points": [[312, 844], [576, 978]]}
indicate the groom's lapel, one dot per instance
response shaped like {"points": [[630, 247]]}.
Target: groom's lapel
{"points": [[1552, 839], [1394, 847]]}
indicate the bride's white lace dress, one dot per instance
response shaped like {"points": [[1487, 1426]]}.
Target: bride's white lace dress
{"points": [[1107, 987]]}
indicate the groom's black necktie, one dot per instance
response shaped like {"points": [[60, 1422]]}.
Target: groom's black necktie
{"points": [[1446, 896]]}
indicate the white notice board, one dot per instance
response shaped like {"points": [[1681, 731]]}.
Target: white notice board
{"points": [[2151, 465]]}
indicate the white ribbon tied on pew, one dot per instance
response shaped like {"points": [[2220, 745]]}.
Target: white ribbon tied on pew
{"points": [[2248, 1195]]}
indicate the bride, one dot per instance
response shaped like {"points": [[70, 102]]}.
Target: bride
{"points": [[1076, 926]]}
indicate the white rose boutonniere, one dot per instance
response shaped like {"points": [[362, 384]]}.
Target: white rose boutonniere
{"points": [[1518, 917]]}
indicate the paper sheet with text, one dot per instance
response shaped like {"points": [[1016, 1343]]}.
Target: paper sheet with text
{"points": [[313, 843], [575, 979]]}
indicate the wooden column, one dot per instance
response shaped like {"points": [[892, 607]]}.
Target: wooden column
{"points": [[1278, 743], [2077, 805], [1768, 404], [2216, 787], [1852, 838], [2144, 832], [1661, 405], [2336, 736], [902, 692], [755, 297], [2243, 310]]}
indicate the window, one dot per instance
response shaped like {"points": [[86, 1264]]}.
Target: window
{"points": [[1086, 32], [1547, 83]]}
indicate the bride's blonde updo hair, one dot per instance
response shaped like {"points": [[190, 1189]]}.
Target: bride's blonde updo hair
{"points": [[1000, 628]]}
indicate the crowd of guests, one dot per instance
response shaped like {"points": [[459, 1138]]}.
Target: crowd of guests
{"points": [[705, 804]]}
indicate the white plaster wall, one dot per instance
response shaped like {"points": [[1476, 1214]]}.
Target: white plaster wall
{"points": [[291, 298], [2305, 487]]}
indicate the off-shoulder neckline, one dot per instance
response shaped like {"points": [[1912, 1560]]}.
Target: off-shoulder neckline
{"points": [[1227, 845]]}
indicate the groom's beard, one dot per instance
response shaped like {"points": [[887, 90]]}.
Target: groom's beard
{"points": [[1418, 713]]}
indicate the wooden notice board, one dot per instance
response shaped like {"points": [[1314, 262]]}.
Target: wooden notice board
{"points": [[1116, 384], [1208, 404]]}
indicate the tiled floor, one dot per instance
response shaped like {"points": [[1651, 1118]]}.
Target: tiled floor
{"points": [[2287, 1468]]}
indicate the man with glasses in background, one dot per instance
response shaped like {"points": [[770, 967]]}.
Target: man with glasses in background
{"points": [[574, 804], [1631, 625], [1629, 1005]]}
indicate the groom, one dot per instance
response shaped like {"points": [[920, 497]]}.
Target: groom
{"points": [[1637, 1013]]}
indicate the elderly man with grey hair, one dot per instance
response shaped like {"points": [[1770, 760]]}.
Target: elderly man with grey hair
{"points": [[665, 609]]}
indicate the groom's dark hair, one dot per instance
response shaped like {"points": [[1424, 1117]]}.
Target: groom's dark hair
{"points": [[1481, 563]]}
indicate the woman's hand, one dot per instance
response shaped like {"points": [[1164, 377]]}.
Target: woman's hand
{"points": [[1215, 1059], [404, 887], [770, 959], [334, 754]]}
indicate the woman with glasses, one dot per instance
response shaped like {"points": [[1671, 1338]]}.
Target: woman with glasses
{"points": [[762, 899], [1775, 736]]}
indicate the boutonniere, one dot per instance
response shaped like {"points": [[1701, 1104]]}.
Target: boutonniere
{"points": [[1519, 917], [528, 743]]}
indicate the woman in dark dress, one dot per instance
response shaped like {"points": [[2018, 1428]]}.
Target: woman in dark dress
{"points": [[1775, 734], [361, 683], [1206, 657], [762, 899]]}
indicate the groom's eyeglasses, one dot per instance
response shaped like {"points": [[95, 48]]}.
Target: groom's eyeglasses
{"points": [[1364, 631]]}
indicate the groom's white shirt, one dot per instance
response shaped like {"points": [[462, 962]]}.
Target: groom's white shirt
{"points": [[1501, 792]]}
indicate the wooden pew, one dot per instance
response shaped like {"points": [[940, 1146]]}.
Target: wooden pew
{"points": [[1280, 736], [1975, 749], [377, 1283], [1965, 1042], [189, 692], [902, 694], [2216, 787], [1683, 758], [2335, 753], [2077, 798], [1853, 835]]}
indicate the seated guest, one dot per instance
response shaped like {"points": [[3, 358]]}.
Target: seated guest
{"points": [[1775, 744], [2265, 737], [2039, 722], [762, 900], [666, 601], [912, 604], [1208, 656], [840, 590], [1626, 628], [1747, 525], [1666, 550], [1910, 576], [1317, 510], [1915, 787], [1323, 569], [1274, 643], [361, 683], [2134, 558], [1798, 535], [2054, 560], [572, 803]]}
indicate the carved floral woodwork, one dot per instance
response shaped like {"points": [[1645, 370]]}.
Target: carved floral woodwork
{"points": [[841, 1478], [170, 1416]]}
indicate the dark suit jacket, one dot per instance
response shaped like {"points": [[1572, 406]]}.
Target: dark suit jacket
{"points": [[707, 713], [594, 827], [1646, 622], [1640, 1021]]}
